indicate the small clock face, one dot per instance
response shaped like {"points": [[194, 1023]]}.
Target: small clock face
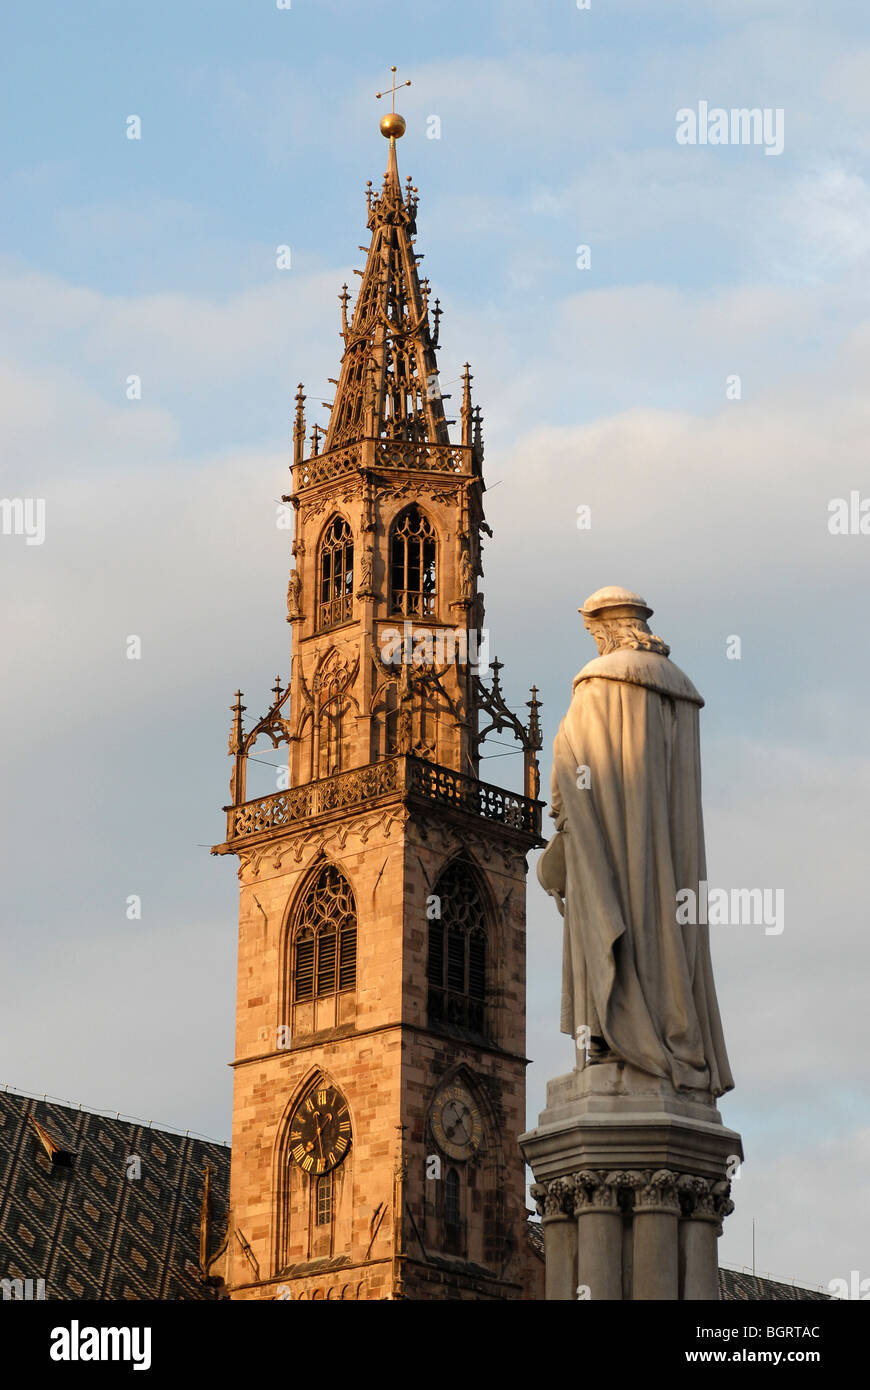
{"points": [[320, 1131], [456, 1122]]}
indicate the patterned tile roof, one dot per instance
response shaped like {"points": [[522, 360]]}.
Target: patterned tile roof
{"points": [[738, 1286], [106, 1227]]}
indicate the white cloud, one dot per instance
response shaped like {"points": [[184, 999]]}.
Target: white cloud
{"points": [[176, 342]]}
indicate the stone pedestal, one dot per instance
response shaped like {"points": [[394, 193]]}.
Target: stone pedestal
{"points": [[632, 1183]]}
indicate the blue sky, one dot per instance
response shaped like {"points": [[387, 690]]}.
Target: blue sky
{"points": [[603, 387]]}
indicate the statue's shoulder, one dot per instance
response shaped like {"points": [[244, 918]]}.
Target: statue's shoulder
{"points": [[649, 669]]}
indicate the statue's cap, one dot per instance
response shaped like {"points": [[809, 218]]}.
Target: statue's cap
{"points": [[614, 602]]}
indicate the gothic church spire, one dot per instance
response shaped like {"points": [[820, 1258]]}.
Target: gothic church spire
{"points": [[388, 385]]}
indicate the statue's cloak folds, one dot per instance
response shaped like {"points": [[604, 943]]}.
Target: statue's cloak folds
{"points": [[624, 846]]}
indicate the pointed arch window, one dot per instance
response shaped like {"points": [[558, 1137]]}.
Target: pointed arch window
{"points": [[412, 565], [453, 1229], [452, 1209], [456, 962], [323, 1212], [324, 946], [335, 593]]}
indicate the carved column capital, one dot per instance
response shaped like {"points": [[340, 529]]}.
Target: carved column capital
{"points": [[553, 1199], [537, 1192], [703, 1199], [640, 1190], [722, 1204], [656, 1191], [596, 1191], [696, 1197]]}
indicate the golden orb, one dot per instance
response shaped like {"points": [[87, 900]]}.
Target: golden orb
{"points": [[393, 125]]}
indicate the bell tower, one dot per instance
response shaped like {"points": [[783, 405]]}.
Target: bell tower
{"points": [[380, 1038]]}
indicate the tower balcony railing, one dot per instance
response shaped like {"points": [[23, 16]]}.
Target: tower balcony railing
{"points": [[401, 776], [382, 453]]}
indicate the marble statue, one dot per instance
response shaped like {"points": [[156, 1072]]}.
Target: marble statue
{"points": [[466, 577], [626, 798], [365, 573], [294, 596]]}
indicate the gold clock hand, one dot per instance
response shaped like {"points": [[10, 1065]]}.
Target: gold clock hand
{"points": [[319, 1139]]}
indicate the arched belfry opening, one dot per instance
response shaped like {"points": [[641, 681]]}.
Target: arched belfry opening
{"points": [[335, 567], [413, 567]]}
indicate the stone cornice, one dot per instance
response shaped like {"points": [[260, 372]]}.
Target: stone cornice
{"points": [[322, 1040]]}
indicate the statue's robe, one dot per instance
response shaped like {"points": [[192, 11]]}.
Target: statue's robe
{"points": [[623, 848]]}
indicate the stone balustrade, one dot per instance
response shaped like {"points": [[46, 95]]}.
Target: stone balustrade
{"points": [[401, 776]]}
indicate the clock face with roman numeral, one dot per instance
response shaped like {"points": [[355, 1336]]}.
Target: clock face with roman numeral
{"points": [[320, 1133], [456, 1122]]}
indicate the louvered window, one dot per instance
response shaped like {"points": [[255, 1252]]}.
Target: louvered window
{"points": [[305, 964], [326, 963], [435, 969], [456, 951], [325, 943], [347, 967], [456, 956], [477, 965]]}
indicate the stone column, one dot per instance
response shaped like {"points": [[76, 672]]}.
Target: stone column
{"points": [[704, 1205], [553, 1200], [599, 1235], [656, 1236]]}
